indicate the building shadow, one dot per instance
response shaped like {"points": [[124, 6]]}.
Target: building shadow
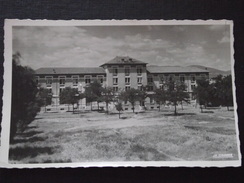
{"points": [[31, 140], [28, 134], [19, 153], [180, 114]]}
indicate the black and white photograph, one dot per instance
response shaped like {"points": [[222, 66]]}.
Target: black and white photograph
{"points": [[123, 93]]}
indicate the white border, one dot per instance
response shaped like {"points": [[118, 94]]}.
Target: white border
{"points": [[7, 93]]}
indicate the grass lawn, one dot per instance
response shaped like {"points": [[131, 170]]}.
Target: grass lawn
{"points": [[149, 136]]}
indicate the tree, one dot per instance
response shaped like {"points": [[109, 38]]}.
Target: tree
{"points": [[160, 97], [93, 92], [25, 105], [107, 96], [119, 107], [223, 90], [227, 90], [44, 97], [131, 95], [176, 93], [203, 92], [69, 96], [142, 95]]}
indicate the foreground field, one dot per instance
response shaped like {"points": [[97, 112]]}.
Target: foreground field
{"points": [[149, 136]]}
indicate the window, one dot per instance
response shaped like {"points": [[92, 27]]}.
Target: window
{"points": [[139, 87], [60, 90], [182, 78], [49, 81], [203, 76], [87, 79], [50, 92], [171, 77], [161, 87], [115, 71], [151, 100], [115, 88], [100, 79], [127, 88], [150, 88], [139, 71], [150, 79], [75, 80], [193, 78], [37, 80], [193, 87], [115, 81], [127, 71], [62, 80], [139, 80], [127, 81], [161, 79]]}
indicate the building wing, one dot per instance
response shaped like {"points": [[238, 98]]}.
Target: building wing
{"points": [[174, 69], [69, 70]]}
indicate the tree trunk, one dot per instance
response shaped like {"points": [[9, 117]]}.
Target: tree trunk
{"points": [[228, 108], [201, 108], [119, 114], [91, 106], [45, 105], [133, 108], [73, 108], [98, 106], [175, 109], [181, 105], [106, 107]]}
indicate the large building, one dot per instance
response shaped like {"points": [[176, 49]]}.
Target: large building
{"points": [[121, 73]]}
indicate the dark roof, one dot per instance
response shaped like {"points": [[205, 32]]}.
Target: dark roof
{"points": [[123, 60], [174, 69], [71, 70]]}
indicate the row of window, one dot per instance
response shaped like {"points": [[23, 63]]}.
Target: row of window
{"points": [[127, 80], [127, 71], [151, 88], [60, 90], [182, 78], [116, 88], [75, 80]]}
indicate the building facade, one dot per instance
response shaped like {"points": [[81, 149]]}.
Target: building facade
{"points": [[121, 73]]}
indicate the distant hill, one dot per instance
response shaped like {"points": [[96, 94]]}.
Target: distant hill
{"points": [[212, 71]]}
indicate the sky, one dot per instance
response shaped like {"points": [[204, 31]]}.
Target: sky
{"points": [[91, 46]]}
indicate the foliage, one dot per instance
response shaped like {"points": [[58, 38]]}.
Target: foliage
{"points": [[70, 96], [44, 97], [160, 97], [142, 95], [107, 96], [223, 90], [131, 95], [119, 107], [219, 92], [176, 93], [202, 92], [93, 92], [25, 105]]}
